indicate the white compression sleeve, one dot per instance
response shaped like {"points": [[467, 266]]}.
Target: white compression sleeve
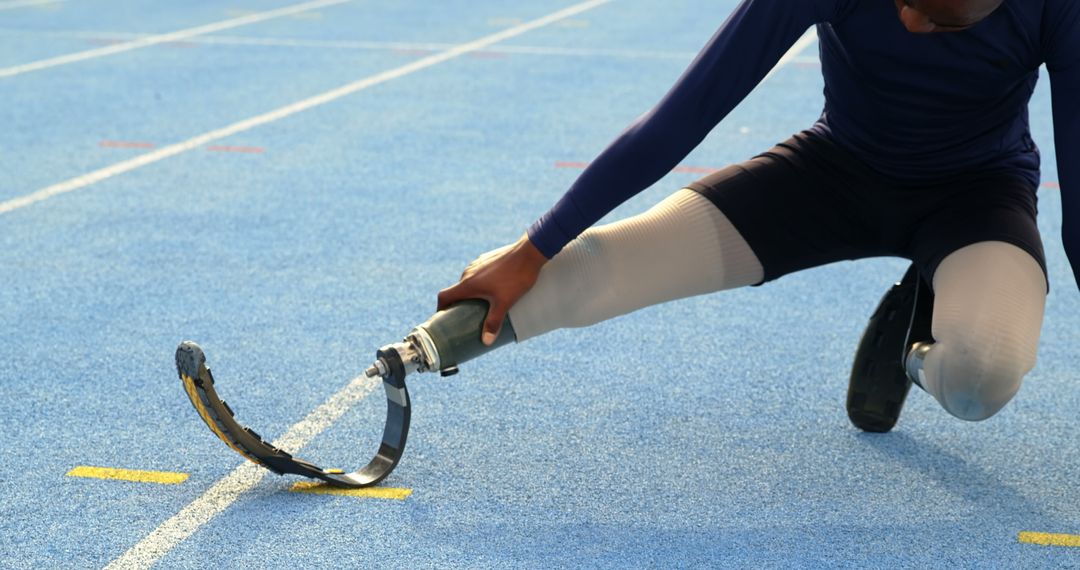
{"points": [[988, 312], [681, 247]]}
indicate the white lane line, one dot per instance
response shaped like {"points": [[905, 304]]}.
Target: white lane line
{"points": [[792, 54], [103, 35], [165, 152], [223, 493], [23, 3], [413, 47], [245, 477], [398, 46], [164, 38]]}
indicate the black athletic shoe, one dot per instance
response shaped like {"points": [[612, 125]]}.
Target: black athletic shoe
{"points": [[879, 383]]}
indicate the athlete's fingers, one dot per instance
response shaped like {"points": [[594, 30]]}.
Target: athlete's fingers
{"points": [[499, 277], [493, 323], [496, 309], [457, 292]]}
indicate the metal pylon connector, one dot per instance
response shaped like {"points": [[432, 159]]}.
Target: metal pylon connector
{"points": [[416, 354]]}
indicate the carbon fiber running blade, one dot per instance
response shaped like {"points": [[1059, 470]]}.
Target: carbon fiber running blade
{"points": [[199, 386]]}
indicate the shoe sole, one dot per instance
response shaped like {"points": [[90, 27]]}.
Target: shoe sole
{"points": [[879, 384]]}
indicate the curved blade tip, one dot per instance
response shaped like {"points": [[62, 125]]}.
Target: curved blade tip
{"points": [[189, 357]]}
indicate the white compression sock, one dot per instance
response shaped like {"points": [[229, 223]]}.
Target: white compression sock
{"points": [[989, 299], [681, 247]]}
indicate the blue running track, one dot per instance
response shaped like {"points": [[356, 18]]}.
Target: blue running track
{"points": [[705, 433]]}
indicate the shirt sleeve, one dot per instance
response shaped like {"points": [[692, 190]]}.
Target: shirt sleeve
{"points": [[734, 61], [1063, 63]]}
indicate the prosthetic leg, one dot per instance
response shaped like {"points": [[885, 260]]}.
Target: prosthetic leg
{"points": [[879, 380], [683, 246], [449, 338]]}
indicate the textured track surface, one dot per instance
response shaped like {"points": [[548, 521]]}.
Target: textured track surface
{"points": [[704, 433]]}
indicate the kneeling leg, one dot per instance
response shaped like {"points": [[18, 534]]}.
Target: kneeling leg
{"points": [[988, 311]]}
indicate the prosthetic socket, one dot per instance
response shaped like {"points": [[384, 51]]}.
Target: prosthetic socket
{"points": [[447, 339]]}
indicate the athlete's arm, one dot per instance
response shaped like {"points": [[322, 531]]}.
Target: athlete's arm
{"points": [[1063, 63], [734, 61]]}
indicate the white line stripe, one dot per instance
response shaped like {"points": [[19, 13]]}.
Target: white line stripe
{"points": [[247, 124], [245, 477], [808, 38], [392, 46], [24, 3], [164, 38], [361, 45], [219, 496]]}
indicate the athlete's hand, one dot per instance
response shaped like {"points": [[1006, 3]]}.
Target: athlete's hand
{"points": [[499, 277]]}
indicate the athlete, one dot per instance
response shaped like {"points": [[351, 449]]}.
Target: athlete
{"points": [[923, 151]]}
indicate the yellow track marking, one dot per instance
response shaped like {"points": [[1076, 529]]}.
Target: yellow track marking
{"points": [[1050, 539], [160, 477], [369, 492]]}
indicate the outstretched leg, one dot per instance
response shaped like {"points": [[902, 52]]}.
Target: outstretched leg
{"points": [[683, 246]]}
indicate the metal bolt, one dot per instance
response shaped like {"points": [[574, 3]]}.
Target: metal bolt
{"points": [[377, 369]]}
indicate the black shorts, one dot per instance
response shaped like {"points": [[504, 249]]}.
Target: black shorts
{"points": [[808, 202]]}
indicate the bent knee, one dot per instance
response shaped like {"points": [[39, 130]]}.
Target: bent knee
{"points": [[977, 401], [975, 383]]}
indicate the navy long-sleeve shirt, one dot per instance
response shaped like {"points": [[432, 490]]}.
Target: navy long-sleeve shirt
{"points": [[915, 107]]}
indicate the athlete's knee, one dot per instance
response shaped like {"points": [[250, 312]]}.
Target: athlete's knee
{"points": [[975, 382]]}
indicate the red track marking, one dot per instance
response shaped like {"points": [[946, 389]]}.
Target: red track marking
{"points": [[247, 149], [692, 169], [126, 144], [695, 169], [1051, 185], [571, 164]]}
